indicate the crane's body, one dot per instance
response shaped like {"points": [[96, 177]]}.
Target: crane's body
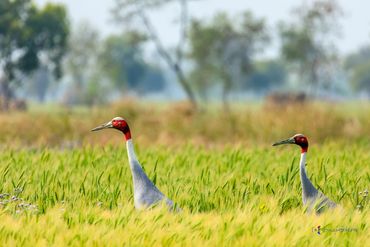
{"points": [[312, 198], [146, 194]]}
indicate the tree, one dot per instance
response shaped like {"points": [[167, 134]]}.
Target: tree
{"points": [[122, 62], [29, 36], [87, 84], [266, 75], [81, 60], [307, 44], [126, 11], [122, 59], [358, 66], [223, 50]]}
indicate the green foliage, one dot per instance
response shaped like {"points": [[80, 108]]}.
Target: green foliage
{"points": [[361, 77], [359, 57], [123, 63], [82, 67], [122, 59], [83, 46], [307, 43], [267, 75], [29, 37], [358, 66], [29, 32], [223, 50]]}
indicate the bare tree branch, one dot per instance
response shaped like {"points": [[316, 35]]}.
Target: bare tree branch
{"points": [[126, 10], [154, 37]]}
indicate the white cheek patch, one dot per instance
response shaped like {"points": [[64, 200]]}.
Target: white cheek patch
{"points": [[118, 119]]}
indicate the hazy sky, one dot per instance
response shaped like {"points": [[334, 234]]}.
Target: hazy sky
{"points": [[356, 22]]}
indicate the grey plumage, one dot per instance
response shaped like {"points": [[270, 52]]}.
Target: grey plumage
{"points": [[311, 197], [146, 194]]}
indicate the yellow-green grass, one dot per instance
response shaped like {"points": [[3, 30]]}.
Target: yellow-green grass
{"points": [[233, 195]]}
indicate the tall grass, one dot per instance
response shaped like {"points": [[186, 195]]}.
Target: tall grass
{"points": [[60, 184], [230, 196]]}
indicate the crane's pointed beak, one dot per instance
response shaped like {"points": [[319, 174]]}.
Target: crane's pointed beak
{"points": [[287, 141], [104, 126]]}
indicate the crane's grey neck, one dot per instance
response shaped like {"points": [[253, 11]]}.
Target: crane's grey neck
{"points": [[138, 174], [145, 192], [130, 151], [308, 190]]}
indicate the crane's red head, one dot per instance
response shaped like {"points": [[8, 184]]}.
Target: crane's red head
{"points": [[297, 139], [117, 123]]}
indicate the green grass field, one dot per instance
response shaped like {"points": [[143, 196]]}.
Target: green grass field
{"points": [[242, 194]]}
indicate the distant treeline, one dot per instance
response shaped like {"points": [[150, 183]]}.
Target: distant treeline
{"points": [[43, 57]]}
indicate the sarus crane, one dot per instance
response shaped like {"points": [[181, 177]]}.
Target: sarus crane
{"points": [[312, 198], [146, 194]]}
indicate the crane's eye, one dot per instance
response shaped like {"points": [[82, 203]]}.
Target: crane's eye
{"points": [[114, 123], [118, 123]]}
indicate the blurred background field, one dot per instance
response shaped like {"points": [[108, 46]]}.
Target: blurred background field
{"points": [[250, 124]]}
